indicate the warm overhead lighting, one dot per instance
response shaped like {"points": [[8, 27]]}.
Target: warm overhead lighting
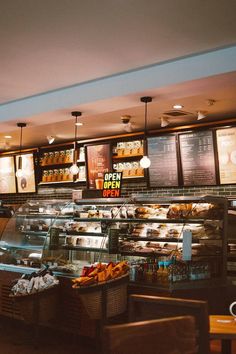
{"points": [[7, 136], [74, 169], [210, 102], [20, 172], [127, 124], [164, 122], [50, 139], [177, 106], [201, 115], [79, 124], [145, 162]]}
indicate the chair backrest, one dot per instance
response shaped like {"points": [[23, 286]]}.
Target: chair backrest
{"points": [[144, 307], [174, 335]]}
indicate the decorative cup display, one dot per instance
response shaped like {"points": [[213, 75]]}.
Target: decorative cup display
{"points": [[99, 183], [232, 309]]}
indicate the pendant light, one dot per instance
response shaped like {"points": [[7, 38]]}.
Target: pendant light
{"points": [[74, 169], [145, 162], [20, 172]]}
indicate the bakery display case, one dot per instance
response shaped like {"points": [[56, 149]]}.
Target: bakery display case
{"points": [[231, 254], [177, 243], [169, 243], [23, 239]]}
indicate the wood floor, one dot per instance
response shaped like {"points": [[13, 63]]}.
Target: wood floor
{"points": [[18, 338], [216, 348]]}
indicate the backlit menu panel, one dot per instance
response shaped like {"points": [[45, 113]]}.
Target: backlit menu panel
{"points": [[26, 183], [7, 175], [197, 158], [162, 153], [226, 145]]}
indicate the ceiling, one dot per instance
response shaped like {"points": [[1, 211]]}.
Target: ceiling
{"points": [[48, 46]]}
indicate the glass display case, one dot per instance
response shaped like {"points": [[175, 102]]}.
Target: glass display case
{"points": [[171, 243], [24, 237]]}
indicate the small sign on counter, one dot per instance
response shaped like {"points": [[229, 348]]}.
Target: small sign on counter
{"points": [[187, 246], [112, 185]]}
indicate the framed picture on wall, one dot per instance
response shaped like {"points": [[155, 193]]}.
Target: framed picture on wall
{"points": [[26, 183], [98, 159], [7, 175], [226, 146]]}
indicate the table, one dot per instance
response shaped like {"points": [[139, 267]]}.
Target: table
{"points": [[224, 328]]}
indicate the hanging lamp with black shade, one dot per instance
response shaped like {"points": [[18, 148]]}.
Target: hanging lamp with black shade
{"points": [[74, 169], [145, 161], [20, 172]]}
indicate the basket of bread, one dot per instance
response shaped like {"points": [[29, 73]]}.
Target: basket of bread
{"points": [[36, 296], [102, 289]]}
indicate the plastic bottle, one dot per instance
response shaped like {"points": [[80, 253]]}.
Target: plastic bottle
{"points": [[159, 272], [165, 274], [154, 273], [149, 273]]}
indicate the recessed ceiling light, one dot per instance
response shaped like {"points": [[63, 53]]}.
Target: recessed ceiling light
{"points": [[164, 122], [79, 124], [50, 139], [7, 136], [177, 106], [201, 115]]}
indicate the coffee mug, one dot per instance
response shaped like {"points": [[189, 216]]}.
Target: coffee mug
{"points": [[231, 309]]}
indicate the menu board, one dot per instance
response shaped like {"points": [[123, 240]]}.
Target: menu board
{"points": [[226, 144], [7, 175], [197, 158], [162, 153], [98, 162], [26, 183]]}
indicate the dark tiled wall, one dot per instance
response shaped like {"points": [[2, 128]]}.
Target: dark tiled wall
{"points": [[127, 190]]}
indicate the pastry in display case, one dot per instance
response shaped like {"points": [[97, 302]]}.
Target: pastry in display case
{"points": [[152, 235], [25, 234], [167, 243]]}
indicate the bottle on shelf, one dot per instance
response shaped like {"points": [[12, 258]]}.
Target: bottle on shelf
{"points": [[165, 273], [45, 159], [56, 157], [149, 275], [159, 272], [61, 157], [51, 158]]}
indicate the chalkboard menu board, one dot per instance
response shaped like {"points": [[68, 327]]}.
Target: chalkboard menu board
{"points": [[162, 153], [98, 162], [226, 144], [197, 158]]}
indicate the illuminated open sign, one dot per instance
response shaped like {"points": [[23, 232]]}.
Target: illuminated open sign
{"points": [[112, 185]]}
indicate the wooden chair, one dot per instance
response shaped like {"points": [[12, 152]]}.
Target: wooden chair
{"points": [[144, 307], [174, 335]]}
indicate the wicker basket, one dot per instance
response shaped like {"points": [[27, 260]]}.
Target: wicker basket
{"points": [[39, 307], [105, 300]]}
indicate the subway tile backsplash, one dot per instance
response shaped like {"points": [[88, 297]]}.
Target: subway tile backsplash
{"points": [[128, 189]]}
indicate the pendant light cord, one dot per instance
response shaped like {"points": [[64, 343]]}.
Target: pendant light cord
{"points": [[20, 139], [145, 127], [146, 100], [76, 118], [145, 131]]}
